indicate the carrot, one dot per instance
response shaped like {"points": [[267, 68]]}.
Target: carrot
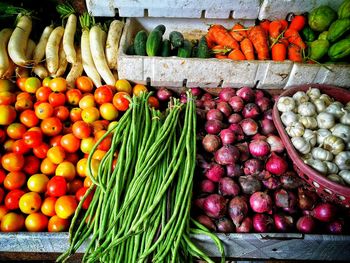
{"points": [[298, 23], [210, 41], [265, 24], [247, 49], [276, 28], [279, 52], [220, 56], [284, 41], [259, 39], [294, 53], [236, 54], [237, 32], [293, 37], [222, 37]]}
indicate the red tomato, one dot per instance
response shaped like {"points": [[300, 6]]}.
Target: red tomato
{"points": [[57, 186], [74, 96], [81, 129], [12, 222], [48, 206], [12, 199], [105, 143], [7, 98], [44, 110], [70, 143], [51, 126], [3, 211], [42, 94], [2, 194], [57, 99], [61, 112], [12, 162], [55, 140], [80, 194], [33, 138], [28, 118], [57, 224], [84, 83], [2, 136], [21, 82], [2, 176], [36, 222], [99, 125], [104, 94], [65, 206], [67, 128], [74, 186], [41, 150], [31, 165], [20, 147], [16, 130], [75, 114], [120, 101]]}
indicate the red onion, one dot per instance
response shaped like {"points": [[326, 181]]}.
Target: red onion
{"points": [[215, 206], [211, 143], [238, 209], [275, 143], [249, 126], [249, 184], [207, 222], [246, 93], [259, 148], [263, 103], [225, 225], [243, 150], [267, 127], [183, 97], [276, 164], [260, 202], [228, 187], [237, 129], [226, 93], [199, 202], [207, 96], [283, 223], [214, 114], [227, 154], [234, 170], [324, 212], [225, 108], [258, 136], [306, 224], [207, 186], [336, 227], [284, 198], [236, 103], [271, 183], [196, 92], [259, 94], [262, 223], [246, 226], [291, 210], [250, 110], [252, 166], [306, 199], [199, 104], [215, 172], [264, 175], [209, 104], [268, 115], [234, 118], [290, 180], [213, 126], [227, 136], [163, 94]]}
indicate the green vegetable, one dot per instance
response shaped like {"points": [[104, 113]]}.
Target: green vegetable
{"points": [[323, 35], [321, 18], [130, 50], [344, 10], [176, 39], [186, 50], [203, 49], [194, 53], [165, 48], [318, 49], [140, 43], [161, 28], [338, 28], [339, 50], [308, 34], [154, 42]]}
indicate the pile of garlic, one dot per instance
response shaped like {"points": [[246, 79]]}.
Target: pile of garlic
{"points": [[319, 128]]}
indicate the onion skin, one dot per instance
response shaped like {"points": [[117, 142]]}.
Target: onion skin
{"points": [[260, 202], [246, 93], [215, 172], [207, 186], [271, 183], [164, 94], [236, 103], [268, 115], [259, 148], [238, 209], [225, 225], [215, 206], [276, 165], [209, 104], [225, 108], [213, 126], [207, 96], [324, 212], [246, 226], [249, 127], [249, 184], [237, 129], [227, 136], [196, 92], [214, 114], [251, 110], [226, 93], [207, 222], [284, 198], [275, 143], [199, 202], [228, 187], [263, 223], [243, 150], [336, 227], [283, 223], [234, 118], [263, 103], [289, 180], [306, 199], [227, 154], [234, 170], [306, 224], [211, 143], [267, 127], [253, 167]]}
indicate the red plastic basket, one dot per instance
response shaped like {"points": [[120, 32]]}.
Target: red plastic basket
{"points": [[327, 189]]}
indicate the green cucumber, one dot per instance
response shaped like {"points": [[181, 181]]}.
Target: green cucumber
{"points": [[176, 39], [154, 42], [186, 50], [203, 50], [161, 28], [165, 48], [140, 43]]}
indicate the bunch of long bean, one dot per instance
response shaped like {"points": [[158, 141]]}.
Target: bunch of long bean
{"points": [[141, 209]]}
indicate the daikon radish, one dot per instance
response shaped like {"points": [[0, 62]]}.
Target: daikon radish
{"points": [[62, 62], [39, 52], [112, 44], [52, 48], [5, 35], [40, 70], [68, 38], [75, 71]]}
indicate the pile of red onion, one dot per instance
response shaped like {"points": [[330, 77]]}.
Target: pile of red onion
{"points": [[244, 181]]}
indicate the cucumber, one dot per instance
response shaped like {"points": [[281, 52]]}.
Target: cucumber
{"points": [[161, 28], [203, 50], [176, 39], [154, 42], [186, 50], [165, 48], [130, 50], [140, 43], [337, 29]]}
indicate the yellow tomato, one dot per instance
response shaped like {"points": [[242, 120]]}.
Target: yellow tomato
{"points": [[47, 167], [139, 89], [123, 85], [32, 84], [67, 170], [86, 144], [12, 222], [90, 114], [56, 154], [65, 206], [108, 111], [37, 183], [36, 222], [30, 203], [81, 167], [86, 101]]}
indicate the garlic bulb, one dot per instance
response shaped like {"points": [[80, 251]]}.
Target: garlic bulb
{"points": [[307, 109], [321, 154], [308, 122], [288, 118], [325, 120], [301, 145], [345, 119], [310, 136], [345, 174], [317, 165], [300, 97], [335, 108], [321, 135], [320, 105], [334, 144], [295, 129], [342, 159], [285, 104], [326, 99], [342, 131], [332, 167], [336, 178], [313, 93]]}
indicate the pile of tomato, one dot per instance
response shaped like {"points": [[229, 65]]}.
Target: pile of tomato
{"points": [[47, 130]]}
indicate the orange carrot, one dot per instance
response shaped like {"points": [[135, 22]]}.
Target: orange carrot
{"points": [[279, 52], [259, 39], [284, 41], [222, 37], [236, 55], [293, 37], [265, 24], [240, 34], [294, 53], [284, 24], [247, 49], [298, 23], [276, 28], [219, 56]]}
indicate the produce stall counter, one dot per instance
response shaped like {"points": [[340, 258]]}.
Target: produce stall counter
{"points": [[266, 246]]}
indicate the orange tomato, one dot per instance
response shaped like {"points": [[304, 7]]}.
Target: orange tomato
{"points": [[120, 101], [57, 99], [7, 114], [88, 182], [67, 170], [74, 186], [75, 114], [56, 154], [14, 180], [29, 118], [42, 94], [98, 154], [3, 211], [44, 110], [104, 94], [47, 167], [108, 111], [23, 104], [56, 140], [88, 100], [30, 203], [99, 125], [73, 96], [21, 83], [12, 162], [48, 206], [16, 130], [51, 126], [139, 89], [37, 183], [58, 84], [7, 98], [12, 222], [90, 114], [153, 102], [81, 167], [65, 206], [57, 224], [36, 222], [106, 143], [84, 83], [123, 85], [61, 112], [81, 129], [70, 143]]}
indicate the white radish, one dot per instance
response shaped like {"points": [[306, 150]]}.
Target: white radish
{"points": [[23, 72], [62, 62], [68, 38], [52, 48], [39, 52], [75, 71], [10, 70], [112, 44], [17, 45], [97, 43], [115, 74], [5, 35], [30, 49], [41, 71]]}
